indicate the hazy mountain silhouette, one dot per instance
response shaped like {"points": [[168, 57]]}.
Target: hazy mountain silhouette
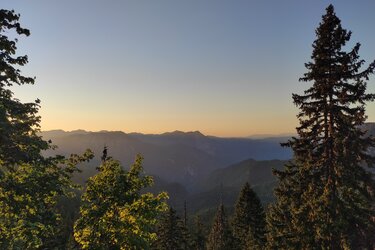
{"points": [[183, 157], [190, 166], [236, 175], [225, 184]]}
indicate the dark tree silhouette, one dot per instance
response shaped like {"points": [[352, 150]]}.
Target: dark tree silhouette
{"points": [[249, 219], [171, 232], [220, 237], [30, 184], [198, 237], [325, 196], [19, 122], [104, 154]]}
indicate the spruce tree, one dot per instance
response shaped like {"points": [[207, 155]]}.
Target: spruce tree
{"points": [[249, 219], [171, 232], [221, 237], [114, 214], [187, 239], [282, 232], [252, 242], [325, 196], [198, 235]]}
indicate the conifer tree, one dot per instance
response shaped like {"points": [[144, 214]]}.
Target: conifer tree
{"points": [[198, 235], [114, 214], [220, 237], [252, 242], [249, 219], [171, 233], [282, 232], [186, 231], [325, 196]]}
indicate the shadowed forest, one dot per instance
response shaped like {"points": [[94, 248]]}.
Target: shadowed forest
{"points": [[187, 190]]}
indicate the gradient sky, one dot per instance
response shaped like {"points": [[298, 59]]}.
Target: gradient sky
{"points": [[226, 68]]}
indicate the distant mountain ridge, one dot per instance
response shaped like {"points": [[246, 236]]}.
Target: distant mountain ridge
{"points": [[194, 168], [183, 157]]}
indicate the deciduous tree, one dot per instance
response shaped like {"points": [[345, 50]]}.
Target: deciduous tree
{"points": [[29, 218], [114, 214], [30, 184], [19, 122]]}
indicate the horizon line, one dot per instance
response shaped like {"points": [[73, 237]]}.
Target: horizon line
{"points": [[254, 136]]}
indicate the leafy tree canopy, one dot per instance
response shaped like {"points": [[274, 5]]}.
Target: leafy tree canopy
{"points": [[19, 122], [114, 214]]}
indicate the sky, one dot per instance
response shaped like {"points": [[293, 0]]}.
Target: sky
{"points": [[225, 68]]}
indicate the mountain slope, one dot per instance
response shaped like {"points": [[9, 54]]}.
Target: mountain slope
{"points": [[236, 175], [175, 162], [225, 184]]}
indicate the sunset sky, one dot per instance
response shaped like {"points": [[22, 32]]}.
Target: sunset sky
{"points": [[225, 68]]}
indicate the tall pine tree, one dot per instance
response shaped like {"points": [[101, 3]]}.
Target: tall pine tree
{"points": [[171, 232], [221, 237], [198, 237], [325, 196], [249, 219]]}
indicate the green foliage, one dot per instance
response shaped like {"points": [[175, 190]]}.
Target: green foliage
{"points": [[29, 218], [68, 208], [171, 232], [249, 220], [325, 197], [113, 214], [19, 122], [282, 232], [30, 184], [220, 237]]}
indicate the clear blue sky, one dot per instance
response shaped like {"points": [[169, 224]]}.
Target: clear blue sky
{"points": [[226, 68]]}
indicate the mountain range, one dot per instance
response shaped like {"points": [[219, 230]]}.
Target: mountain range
{"points": [[183, 157], [193, 168]]}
